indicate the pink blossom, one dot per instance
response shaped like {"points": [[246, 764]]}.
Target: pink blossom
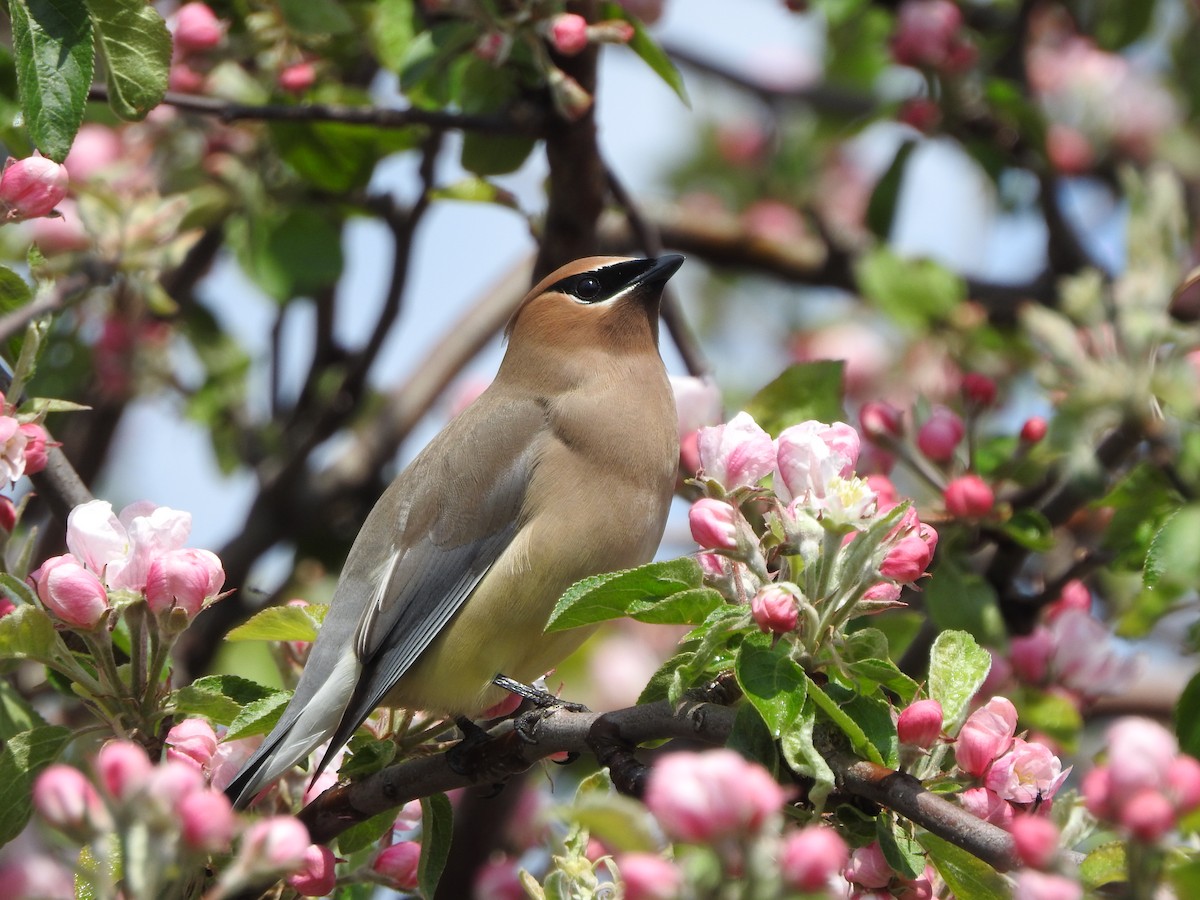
{"points": [[1034, 430], [648, 876], [868, 867], [809, 456], [1034, 885], [197, 28], [920, 113], [969, 497], [738, 453], [774, 609], [8, 514], [494, 46], [183, 79], [811, 856], [169, 782], [95, 149], [1147, 814], [70, 592], [741, 143], [1027, 773], [929, 35], [192, 741], [978, 389], [207, 821], [1140, 754], [987, 733], [1030, 655], [274, 844], [36, 876], [68, 802], [32, 187], [497, 879], [775, 221], [940, 434], [1085, 660], [6, 606], [228, 760], [881, 421], [704, 797], [120, 549], [184, 578], [1183, 781], [12, 449], [1035, 839], [62, 233], [907, 559], [920, 723], [987, 805], [398, 864], [36, 449], [317, 878], [1074, 595], [1096, 788], [697, 403], [298, 77], [714, 524], [124, 769], [568, 33]]}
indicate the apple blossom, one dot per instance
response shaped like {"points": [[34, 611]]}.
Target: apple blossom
{"points": [[398, 864], [228, 760], [1035, 839], [498, 879], [32, 187], [704, 797], [774, 220], [1074, 595], [1027, 773], [929, 35], [809, 456], [714, 524], [63, 233], [969, 497], [184, 578], [920, 723], [95, 149], [298, 77], [881, 421], [317, 878], [774, 609], [274, 844], [12, 449], [987, 733], [647, 876], [1183, 782], [987, 805], [36, 448], [736, 454], [1030, 654], [568, 33], [192, 741], [1147, 815], [868, 867], [8, 514], [207, 821], [1085, 660], [120, 549], [940, 434], [67, 801], [70, 591], [197, 28], [1034, 885], [1034, 430], [169, 782], [810, 857], [978, 389], [123, 768]]}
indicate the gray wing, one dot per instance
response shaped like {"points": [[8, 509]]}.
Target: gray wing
{"points": [[417, 559]]}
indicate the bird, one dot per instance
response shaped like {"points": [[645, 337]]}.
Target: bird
{"points": [[563, 468]]}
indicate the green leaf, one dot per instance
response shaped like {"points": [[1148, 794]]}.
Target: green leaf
{"points": [[690, 607], [137, 54], [14, 291], [1030, 529], [484, 89], [964, 601], [16, 713], [916, 293], [957, 668], [881, 210], [874, 716], [858, 738], [55, 55], [391, 32], [219, 698], [613, 594], [336, 157], [620, 823], [1172, 563], [967, 876], [258, 716], [1051, 714], [651, 54], [752, 738], [804, 391], [23, 757], [28, 633], [437, 827], [298, 253], [804, 758], [1107, 865], [870, 673], [278, 623], [772, 681], [1187, 718], [316, 17], [1117, 25], [364, 834], [658, 687], [367, 755], [902, 852]]}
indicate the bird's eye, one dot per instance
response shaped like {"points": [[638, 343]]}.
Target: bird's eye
{"points": [[587, 288]]}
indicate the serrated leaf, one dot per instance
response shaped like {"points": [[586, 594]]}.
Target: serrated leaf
{"points": [[1172, 561], [967, 876], [884, 673], [23, 757], [772, 681], [277, 623], [802, 756], [690, 607], [650, 53], [437, 827], [364, 834], [611, 595], [218, 698], [137, 53], [915, 292], [802, 392], [862, 745], [258, 716], [28, 633], [874, 716], [658, 687], [957, 668], [14, 290], [1107, 864], [367, 755], [55, 56], [902, 852]]}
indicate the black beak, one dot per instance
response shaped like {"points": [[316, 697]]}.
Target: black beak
{"points": [[660, 270]]}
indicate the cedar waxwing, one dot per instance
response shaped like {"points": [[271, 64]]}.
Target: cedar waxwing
{"points": [[563, 468]]}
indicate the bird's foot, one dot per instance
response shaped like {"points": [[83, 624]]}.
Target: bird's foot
{"points": [[466, 757], [540, 699]]}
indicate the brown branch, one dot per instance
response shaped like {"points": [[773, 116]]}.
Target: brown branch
{"points": [[521, 118]]}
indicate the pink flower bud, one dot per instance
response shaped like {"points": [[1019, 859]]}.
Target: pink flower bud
{"points": [[920, 113], [197, 28], [193, 742], [8, 514], [881, 421], [714, 524], [1140, 753], [1183, 779], [1074, 596], [774, 220], [170, 782], [1030, 655], [940, 435], [868, 867], [6, 606], [1034, 885], [36, 450], [987, 733], [774, 609], [67, 801], [704, 797], [738, 453], [298, 77], [60, 234], [497, 879], [1147, 814], [811, 856], [493, 46], [920, 723], [275, 844], [928, 35], [907, 560], [207, 821], [32, 187], [979, 390], [94, 150], [568, 33], [70, 591], [1034, 429], [648, 877], [398, 864], [1096, 788], [969, 497], [1069, 149], [185, 578], [124, 769], [886, 495], [317, 878], [1035, 839], [987, 805]]}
